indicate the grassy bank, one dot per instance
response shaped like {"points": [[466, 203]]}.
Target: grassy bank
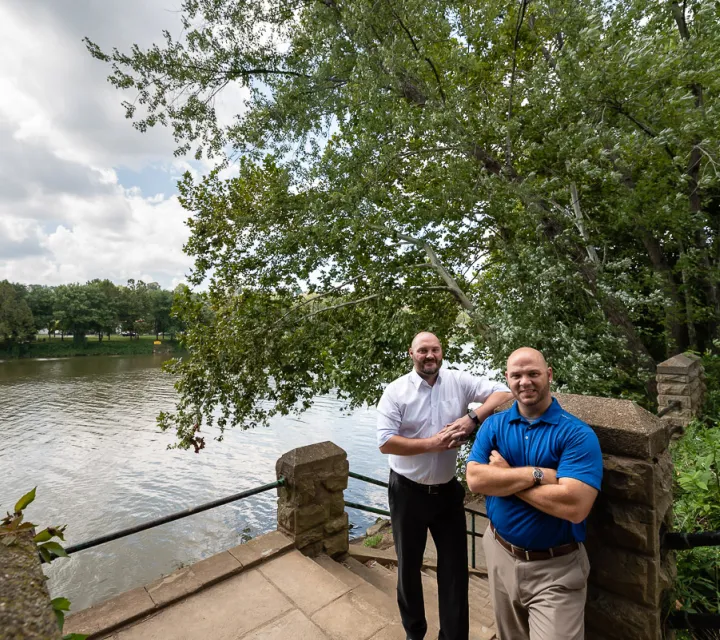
{"points": [[116, 346]]}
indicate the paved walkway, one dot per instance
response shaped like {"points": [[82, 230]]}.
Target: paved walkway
{"points": [[267, 590]]}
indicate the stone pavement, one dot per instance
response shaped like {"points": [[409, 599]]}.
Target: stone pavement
{"points": [[271, 591]]}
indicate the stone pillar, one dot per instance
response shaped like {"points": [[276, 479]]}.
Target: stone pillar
{"points": [[25, 609], [630, 574], [311, 505], [680, 379]]}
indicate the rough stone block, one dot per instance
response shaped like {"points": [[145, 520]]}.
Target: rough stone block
{"points": [[685, 401], [679, 389], [309, 459], [335, 505], [310, 536], [614, 618], [25, 610], [336, 483], [622, 426], [640, 481], [679, 364], [626, 574], [309, 516], [673, 378], [625, 524], [337, 544], [337, 524]]}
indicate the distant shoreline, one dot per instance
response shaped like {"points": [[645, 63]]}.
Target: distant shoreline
{"points": [[120, 346]]}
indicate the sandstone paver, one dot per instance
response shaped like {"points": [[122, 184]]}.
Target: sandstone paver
{"points": [[307, 584], [107, 615], [293, 625], [349, 618], [224, 611], [261, 548]]}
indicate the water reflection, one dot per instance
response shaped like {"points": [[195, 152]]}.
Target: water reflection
{"points": [[83, 430]]}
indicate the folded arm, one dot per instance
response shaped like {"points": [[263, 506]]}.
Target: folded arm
{"points": [[401, 446], [495, 479], [569, 499]]}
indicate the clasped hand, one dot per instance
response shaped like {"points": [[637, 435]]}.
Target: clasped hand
{"points": [[454, 434]]}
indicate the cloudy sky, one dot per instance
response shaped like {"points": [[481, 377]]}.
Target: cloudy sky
{"points": [[82, 194]]}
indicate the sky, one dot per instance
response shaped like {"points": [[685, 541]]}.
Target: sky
{"points": [[83, 195]]}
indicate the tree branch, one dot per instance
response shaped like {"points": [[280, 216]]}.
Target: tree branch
{"points": [[349, 303]]}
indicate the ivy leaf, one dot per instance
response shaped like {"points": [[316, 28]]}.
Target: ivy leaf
{"points": [[25, 501], [43, 536], [55, 548]]}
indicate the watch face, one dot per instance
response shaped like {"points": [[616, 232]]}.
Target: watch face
{"points": [[539, 475]]}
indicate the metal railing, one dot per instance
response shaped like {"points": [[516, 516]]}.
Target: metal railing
{"points": [[679, 540], [94, 542], [385, 512]]}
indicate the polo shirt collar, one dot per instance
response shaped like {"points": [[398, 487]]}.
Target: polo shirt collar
{"points": [[417, 379], [551, 415]]}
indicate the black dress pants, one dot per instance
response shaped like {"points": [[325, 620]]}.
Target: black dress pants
{"points": [[414, 511]]}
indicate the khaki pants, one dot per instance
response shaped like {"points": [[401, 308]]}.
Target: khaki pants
{"points": [[540, 599]]}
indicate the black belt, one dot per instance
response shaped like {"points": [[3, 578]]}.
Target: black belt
{"points": [[528, 554], [430, 489]]}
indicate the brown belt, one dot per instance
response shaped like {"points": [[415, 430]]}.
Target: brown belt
{"points": [[527, 554]]}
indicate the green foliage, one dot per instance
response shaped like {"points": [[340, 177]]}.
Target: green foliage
{"points": [[12, 524], [539, 173], [697, 508], [16, 319], [373, 541]]}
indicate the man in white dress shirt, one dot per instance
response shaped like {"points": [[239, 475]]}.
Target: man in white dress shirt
{"points": [[422, 419]]}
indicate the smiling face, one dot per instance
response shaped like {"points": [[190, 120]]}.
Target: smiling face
{"points": [[529, 378], [426, 353]]}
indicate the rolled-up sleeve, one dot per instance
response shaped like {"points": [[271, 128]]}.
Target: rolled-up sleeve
{"points": [[389, 417], [479, 389]]}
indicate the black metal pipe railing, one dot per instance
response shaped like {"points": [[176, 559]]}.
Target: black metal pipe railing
{"points": [[685, 620], [384, 512], [88, 544], [359, 476], [680, 540], [675, 404]]}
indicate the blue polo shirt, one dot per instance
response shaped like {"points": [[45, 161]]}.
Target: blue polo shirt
{"points": [[556, 440]]}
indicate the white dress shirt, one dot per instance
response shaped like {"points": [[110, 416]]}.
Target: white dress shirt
{"points": [[411, 408]]}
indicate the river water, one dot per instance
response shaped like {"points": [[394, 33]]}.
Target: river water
{"points": [[83, 431]]}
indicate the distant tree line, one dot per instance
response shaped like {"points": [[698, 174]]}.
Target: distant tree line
{"points": [[99, 308]]}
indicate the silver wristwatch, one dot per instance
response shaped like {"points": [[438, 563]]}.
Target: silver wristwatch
{"points": [[538, 476]]}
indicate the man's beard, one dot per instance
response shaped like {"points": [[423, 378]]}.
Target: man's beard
{"points": [[430, 368]]}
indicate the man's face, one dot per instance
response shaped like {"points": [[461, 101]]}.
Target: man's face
{"points": [[426, 354], [529, 379]]}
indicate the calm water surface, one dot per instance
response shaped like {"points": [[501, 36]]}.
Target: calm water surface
{"points": [[83, 430]]}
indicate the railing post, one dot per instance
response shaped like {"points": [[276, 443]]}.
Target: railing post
{"points": [[311, 503], [680, 380], [631, 573], [25, 609]]}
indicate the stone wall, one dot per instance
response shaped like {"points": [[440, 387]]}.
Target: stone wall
{"points": [[311, 504], [25, 609], [630, 573], [680, 380]]}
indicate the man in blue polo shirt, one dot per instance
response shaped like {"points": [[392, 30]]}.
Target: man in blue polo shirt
{"points": [[540, 468]]}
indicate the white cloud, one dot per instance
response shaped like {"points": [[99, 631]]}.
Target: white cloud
{"points": [[65, 215]]}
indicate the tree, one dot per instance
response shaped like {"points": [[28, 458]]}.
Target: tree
{"points": [[107, 298], [16, 320], [41, 300], [134, 307], [78, 310], [537, 173], [161, 301]]}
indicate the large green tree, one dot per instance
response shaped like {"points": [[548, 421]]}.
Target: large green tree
{"points": [[500, 172], [16, 319]]}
